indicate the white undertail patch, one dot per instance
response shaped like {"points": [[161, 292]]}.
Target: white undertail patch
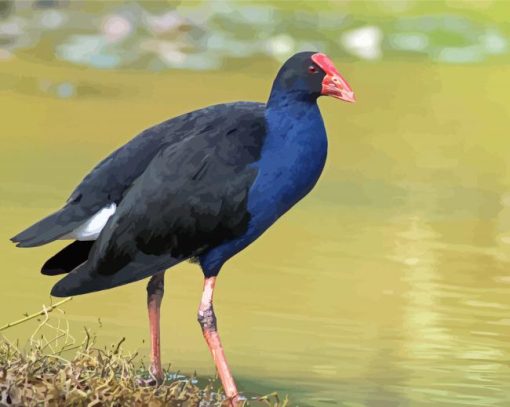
{"points": [[90, 229]]}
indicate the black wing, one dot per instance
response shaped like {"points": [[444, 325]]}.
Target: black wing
{"points": [[109, 180], [191, 197]]}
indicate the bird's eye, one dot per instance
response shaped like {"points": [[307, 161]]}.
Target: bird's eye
{"points": [[312, 69]]}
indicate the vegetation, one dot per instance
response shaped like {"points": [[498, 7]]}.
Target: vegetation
{"points": [[54, 369]]}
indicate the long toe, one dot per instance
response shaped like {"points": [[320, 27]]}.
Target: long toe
{"points": [[237, 400], [151, 381]]}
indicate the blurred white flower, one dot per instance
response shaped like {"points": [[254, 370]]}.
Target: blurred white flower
{"points": [[52, 19], [13, 27], [409, 41], [494, 42], [364, 42], [165, 22], [116, 28], [281, 46], [169, 52]]}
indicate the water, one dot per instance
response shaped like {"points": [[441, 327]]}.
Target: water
{"points": [[206, 35], [388, 285]]}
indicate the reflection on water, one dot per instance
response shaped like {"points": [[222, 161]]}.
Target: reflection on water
{"points": [[389, 285]]}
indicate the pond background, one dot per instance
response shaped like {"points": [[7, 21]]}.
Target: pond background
{"points": [[388, 285]]}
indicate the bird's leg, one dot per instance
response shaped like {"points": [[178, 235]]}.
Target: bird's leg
{"points": [[207, 321], [155, 290]]}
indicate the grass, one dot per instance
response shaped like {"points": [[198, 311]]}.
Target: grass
{"points": [[54, 369]]}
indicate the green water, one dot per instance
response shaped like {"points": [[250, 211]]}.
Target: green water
{"points": [[388, 285]]}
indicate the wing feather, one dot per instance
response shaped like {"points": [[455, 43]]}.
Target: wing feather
{"points": [[108, 182], [191, 197]]}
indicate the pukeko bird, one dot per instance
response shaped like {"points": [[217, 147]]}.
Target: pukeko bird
{"points": [[201, 187]]}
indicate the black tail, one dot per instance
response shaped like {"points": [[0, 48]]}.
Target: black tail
{"points": [[68, 258], [84, 279], [52, 227]]}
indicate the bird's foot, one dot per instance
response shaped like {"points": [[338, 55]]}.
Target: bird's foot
{"points": [[156, 378], [150, 382], [237, 400]]}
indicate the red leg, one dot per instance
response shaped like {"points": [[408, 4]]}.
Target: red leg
{"points": [[155, 290], [207, 320]]}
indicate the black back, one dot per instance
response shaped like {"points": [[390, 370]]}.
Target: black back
{"points": [[191, 196], [109, 181]]}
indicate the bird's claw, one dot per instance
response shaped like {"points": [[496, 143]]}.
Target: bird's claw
{"points": [[152, 381], [237, 400]]}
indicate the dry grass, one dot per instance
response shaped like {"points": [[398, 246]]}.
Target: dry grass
{"points": [[54, 369]]}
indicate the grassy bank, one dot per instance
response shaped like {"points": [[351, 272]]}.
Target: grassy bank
{"points": [[53, 368]]}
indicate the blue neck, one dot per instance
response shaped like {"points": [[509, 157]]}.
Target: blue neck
{"points": [[292, 101], [289, 116], [293, 155]]}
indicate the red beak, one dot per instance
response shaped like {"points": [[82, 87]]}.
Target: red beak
{"points": [[333, 83]]}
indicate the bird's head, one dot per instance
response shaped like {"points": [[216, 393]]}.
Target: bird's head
{"points": [[313, 74]]}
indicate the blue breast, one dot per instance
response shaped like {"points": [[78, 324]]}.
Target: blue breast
{"points": [[291, 162], [292, 159]]}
